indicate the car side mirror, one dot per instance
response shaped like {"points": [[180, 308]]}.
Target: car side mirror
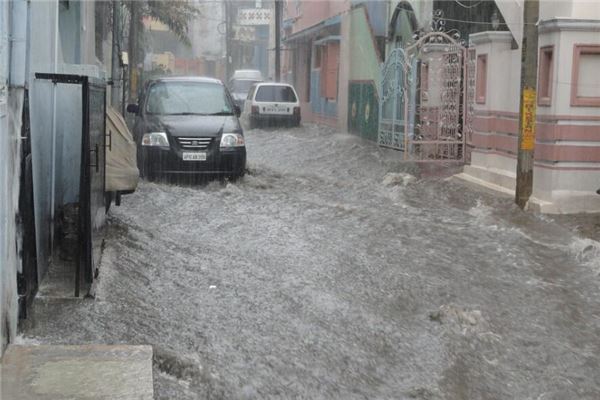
{"points": [[238, 110], [133, 108]]}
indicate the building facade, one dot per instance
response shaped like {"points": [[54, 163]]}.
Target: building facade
{"points": [[567, 146], [250, 41], [334, 53], [40, 134], [314, 46]]}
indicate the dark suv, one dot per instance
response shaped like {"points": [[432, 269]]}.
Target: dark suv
{"points": [[188, 126]]}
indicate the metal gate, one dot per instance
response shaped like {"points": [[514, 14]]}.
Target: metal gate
{"points": [[92, 208], [424, 103]]}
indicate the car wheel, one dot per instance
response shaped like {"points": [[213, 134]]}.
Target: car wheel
{"points": [[237, 176], [151, 176], [146, 174]]}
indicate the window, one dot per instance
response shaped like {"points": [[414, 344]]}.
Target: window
{"points": [[585, 82], [177, 98], [251, 92], [273, 93], [545, 76], [318, 56], [481, 84]]}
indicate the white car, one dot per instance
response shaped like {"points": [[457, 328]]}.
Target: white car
{"points": [[241, 82], [272, 104], [251, 74]]}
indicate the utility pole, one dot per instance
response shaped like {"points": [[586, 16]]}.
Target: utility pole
{"points": [[133, 51], [228, 28], [527, 110], [116, 56], [277, 40]]}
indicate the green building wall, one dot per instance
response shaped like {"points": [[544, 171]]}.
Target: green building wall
{"points": [[364, 78]]}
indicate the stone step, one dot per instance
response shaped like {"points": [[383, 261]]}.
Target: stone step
{"points": [[83, 372]]}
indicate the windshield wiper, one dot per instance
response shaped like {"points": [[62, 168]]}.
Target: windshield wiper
{"points": [[222, 113]]}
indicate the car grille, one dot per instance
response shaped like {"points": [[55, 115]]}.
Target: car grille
{"points": [[194, 143]]}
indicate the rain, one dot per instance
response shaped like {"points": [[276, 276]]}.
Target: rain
{"points": [[299, 199], [332, 270]]}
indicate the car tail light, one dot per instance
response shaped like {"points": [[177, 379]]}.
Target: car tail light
{"points": [[254, 109], [296, 110]]}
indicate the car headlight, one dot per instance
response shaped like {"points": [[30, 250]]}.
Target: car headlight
{"points": [[155, 139], [229, 140]]}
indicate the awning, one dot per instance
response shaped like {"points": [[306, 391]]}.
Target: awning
{"points": [[335, 20], [330, 38]]}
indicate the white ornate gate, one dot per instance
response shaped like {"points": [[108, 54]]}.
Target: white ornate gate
{"points": [[424, 107]]}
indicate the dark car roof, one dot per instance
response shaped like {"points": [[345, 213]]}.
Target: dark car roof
{"points": [[203, 79]]}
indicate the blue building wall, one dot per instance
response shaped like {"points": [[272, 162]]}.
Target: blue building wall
{"points": [[319, 104]]}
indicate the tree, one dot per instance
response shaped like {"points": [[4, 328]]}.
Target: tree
{"points": [[176, 15]]}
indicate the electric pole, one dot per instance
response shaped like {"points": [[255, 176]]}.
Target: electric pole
{"points": [[228, 24], [133, 51], [116, 64], [527, 110], [277, 40]]}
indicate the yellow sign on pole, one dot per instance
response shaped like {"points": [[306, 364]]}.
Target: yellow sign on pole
{"points": [[529, 119]]}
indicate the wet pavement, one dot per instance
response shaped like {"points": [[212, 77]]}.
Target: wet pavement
{"points": [[333, 271]]}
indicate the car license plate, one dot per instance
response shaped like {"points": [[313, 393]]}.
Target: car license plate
{"points": [[277, 110], [195, 156]]}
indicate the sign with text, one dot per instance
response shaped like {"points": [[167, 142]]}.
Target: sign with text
{"points": [[528, 120], [254, 16]]}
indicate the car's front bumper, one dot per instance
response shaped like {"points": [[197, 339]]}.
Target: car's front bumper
{"points": [[169, 161]]}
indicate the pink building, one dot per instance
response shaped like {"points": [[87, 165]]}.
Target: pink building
{"points": [[313, 39], [567, 148]]}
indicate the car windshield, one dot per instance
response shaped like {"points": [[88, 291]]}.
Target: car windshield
{"points": [[182, 98], [242, 86], [283, 94]]}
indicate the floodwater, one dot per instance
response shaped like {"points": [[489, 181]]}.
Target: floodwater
{"points": [[333, 271]]}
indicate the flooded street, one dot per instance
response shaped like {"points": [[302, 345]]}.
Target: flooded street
{"points": [[333, 271]]}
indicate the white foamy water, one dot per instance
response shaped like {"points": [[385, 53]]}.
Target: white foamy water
{"points": [[311, 278]]}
